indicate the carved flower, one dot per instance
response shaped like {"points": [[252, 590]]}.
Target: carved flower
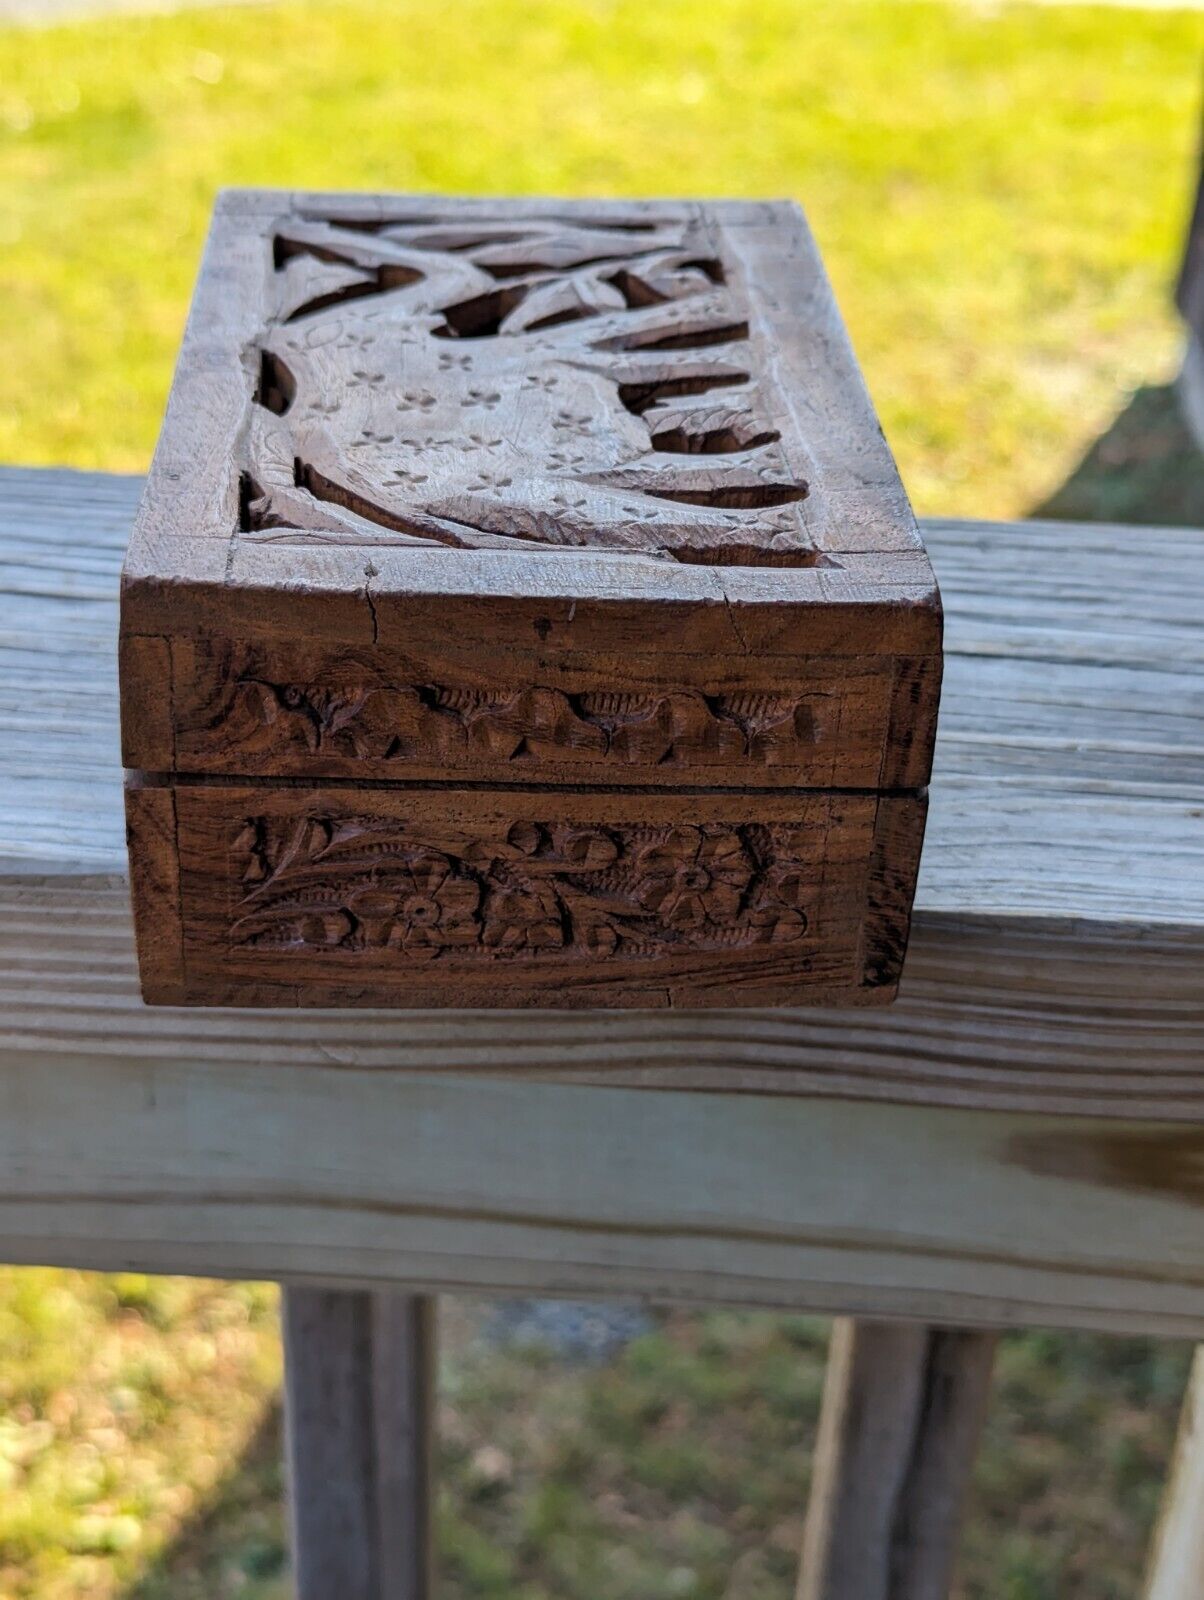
{"points": [[423, 908], [779, 916], [694, 877], [523, 917]]}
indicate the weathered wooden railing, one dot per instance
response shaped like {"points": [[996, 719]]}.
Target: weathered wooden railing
{"points": [[1020, 1139]]}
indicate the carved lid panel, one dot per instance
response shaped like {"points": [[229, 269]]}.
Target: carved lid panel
{"points": [[519, 383]]}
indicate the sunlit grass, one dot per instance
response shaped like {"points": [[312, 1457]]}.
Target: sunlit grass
{"points": [[999, 191], [677, 1471], [124, 1402]]}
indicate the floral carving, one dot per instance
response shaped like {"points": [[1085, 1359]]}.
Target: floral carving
{"points": [[540, 890], [780, 915], [423, 907], [456, 727], [523, 917], [693, 878]]}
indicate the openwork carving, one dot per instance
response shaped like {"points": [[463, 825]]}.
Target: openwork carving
{"points": [[536, 891], [457, 726], [515, 385]]}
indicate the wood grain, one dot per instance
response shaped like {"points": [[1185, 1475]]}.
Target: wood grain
{"points": [[501, 375], [449, 709], [152, 832], [377, 1178], [1057, 946], [359, 1425], [517, 382], [902, 1412]]}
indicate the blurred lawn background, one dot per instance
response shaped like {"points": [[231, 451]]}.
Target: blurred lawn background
{"points": [[1000, 193]]}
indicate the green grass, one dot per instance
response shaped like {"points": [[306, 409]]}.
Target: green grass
{"points": [[999, 193], [678, 1471], [124, 1402]]}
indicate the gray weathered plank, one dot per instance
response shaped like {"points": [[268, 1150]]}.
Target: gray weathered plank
{"points": [[1055, 969], [1060, 894], [359, 1404], [903, 1408], [377, 1177]]}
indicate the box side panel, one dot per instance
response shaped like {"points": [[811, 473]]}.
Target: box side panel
{"points": [[911, 733], [413, 898], [150, 815], [147, 714], [894, 869], [750, 690]]}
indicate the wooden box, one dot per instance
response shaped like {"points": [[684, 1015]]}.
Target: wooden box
{"points": [[524, 609]]}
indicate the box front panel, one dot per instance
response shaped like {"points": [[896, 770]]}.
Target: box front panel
{"points": [[337, 896]]}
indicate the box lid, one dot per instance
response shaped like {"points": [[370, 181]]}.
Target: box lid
{"points": [[575, 491]]}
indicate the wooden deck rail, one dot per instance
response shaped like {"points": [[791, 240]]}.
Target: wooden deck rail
{"points": [[1020, 1139]]}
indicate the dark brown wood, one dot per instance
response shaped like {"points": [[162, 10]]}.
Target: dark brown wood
{"points": [[369, 714], [903, 1409], [359, 1384], [545, 497], [471, 897]]}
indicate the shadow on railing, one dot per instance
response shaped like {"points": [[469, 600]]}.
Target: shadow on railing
{"points": [[1144, 468]]}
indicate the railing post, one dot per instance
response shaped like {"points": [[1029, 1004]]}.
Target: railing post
{"points": [[902, 1412], [1176, 1569], [359, 1369]]}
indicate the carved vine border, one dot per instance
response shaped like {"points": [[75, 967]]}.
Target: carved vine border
{"points": [[540, 890], [424, 722]]}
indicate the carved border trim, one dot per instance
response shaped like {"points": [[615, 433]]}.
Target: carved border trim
{"points": [[433, 723]]}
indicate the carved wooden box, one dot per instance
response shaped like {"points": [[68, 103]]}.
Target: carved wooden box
{"points": [[524, 609]]}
